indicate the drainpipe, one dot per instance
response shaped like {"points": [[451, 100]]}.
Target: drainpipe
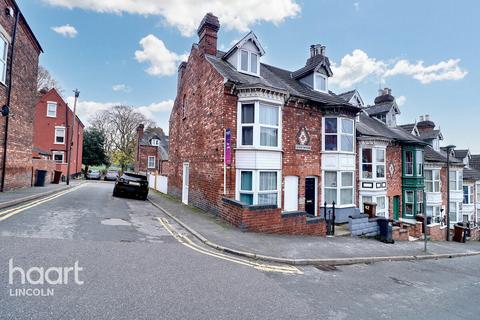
{"points": [[9, 99]]}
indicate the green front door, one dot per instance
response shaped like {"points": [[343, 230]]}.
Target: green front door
{"points": [[396, 207]]}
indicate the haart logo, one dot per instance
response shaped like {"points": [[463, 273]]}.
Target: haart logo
{"points": [[39, 276]]}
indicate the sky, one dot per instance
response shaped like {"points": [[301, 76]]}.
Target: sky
{"points": [[127, 51]]}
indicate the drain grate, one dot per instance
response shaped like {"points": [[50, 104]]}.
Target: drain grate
{"points": [[325, 267]]}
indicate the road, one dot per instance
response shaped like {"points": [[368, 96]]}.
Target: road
{"points": [[135, 266]]}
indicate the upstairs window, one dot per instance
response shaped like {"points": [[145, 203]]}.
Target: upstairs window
{"points": [[419, 160], [432, 180], [320, 82], [3, 59], [339, 134], [468, 194], [409, 163], [155, 142], [59, 135], [59, 156], [259, 125], [373, 163], [52, 109], [456, 180], [249, 62]]}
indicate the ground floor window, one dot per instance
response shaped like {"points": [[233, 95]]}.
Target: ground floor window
{"points": [[436, 213], [151, 162], [258, 187], [455, 212], [409, 202], [414, 202], [59, 156], [339, 187], [381, 202]]}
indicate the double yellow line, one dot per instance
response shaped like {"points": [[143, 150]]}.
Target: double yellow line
{"points": [[190, 244], [13, 211]]}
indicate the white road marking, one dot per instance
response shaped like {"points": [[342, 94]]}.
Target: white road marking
{"points": [[13, 211], [190, 244]]}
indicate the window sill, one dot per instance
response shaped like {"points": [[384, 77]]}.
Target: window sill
{"points": [[338, 152], [59, 143], [251, 148], [51, 116]]}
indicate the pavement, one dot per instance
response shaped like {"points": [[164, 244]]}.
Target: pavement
{"points": [[134, 267], [17, 196], [303, 249]]}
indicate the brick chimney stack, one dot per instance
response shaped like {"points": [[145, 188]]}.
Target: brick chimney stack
{"points": [[425, 124], [140, 131], [207, 33]]}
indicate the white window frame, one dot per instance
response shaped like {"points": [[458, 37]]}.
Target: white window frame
{"points": [[257, 126], [339, 135], [339, 187], [436, 183], [470, 194], [318, 74], [373, 198], [62, 153], [249, 62], [458, 211], [149, 166], [374, 163], [55, 135], [256, 185], [477, 186], [436, 213], [419, 164], [53, 103], [4, 60], [155, 142], [458, 184]]}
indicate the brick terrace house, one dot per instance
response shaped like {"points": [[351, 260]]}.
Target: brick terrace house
{"points": [[471, 187], [151, 152], [18, 80], [53, 131], [389, 158], [261, 146]]}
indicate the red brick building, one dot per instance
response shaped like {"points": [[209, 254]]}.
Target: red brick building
{"points": [[151, 151], [18, 85], [53, 131], [262, 147]]}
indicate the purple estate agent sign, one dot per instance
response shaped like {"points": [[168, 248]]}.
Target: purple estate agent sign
{"points": [[228, 149]]}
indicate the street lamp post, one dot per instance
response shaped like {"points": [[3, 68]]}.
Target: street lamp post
{"points": [[449, 149], [77, 94]]}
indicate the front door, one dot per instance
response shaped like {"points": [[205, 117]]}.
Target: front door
{"points": [[291, 193], [396, 207], [310, 195], [186, 171]]}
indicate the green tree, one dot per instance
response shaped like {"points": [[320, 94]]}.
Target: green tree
{"points": [[93, 149]]}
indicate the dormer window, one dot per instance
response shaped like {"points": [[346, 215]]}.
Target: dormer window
{"points": [[320, 82], [155, 142], [249, 62]]}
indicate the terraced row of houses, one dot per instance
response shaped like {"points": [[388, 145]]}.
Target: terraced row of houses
{"points": [[267, 149]]}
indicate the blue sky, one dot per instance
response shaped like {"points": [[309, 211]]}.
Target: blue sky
{"points": [[425, 52]]}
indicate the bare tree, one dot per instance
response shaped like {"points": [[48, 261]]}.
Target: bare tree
{"points": [[46, 81], [119, 126]]}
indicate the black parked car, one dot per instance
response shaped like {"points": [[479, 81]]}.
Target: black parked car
{"points": [[131, 184]]}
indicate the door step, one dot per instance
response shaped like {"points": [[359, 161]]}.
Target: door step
{"points": [[342, 230]]}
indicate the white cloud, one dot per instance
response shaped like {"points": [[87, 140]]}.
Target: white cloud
{"points": [[121, 87], [163, 62], [357, 66], [67, 31], [444, 70], [186, 15], [401, 100], [158, 112]]}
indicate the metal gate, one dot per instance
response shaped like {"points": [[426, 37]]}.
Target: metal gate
{"points": [[329, 216]]}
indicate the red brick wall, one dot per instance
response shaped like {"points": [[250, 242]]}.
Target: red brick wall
{"points": [[24, 81], [269, 220], [394, 182], [436, 232], [141, 165], [44, 131], [198, 137], [302, 163], [443, 186], [43, 164]]}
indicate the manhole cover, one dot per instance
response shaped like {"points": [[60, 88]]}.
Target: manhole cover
{"points": [[115, 222]]}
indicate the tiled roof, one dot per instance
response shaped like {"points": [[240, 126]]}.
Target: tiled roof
{"points": [[461, 153], [275, 78], [311, 65], [475, 161], [408, 127], [41, 151], [471, 174], [368, 126], [347, 95], [162, 148], [380, 108], [429, 135]]}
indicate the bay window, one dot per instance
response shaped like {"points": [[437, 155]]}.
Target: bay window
{"points": [[409, 202], [419, 161], [339, 134], [257, 187], [456, 180], [339, 187], [478, 193], [435, 212], [432, 180], [373, 163], [453, 212], [419, 202], [259, 125], [381, 202], [409, 163]]}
